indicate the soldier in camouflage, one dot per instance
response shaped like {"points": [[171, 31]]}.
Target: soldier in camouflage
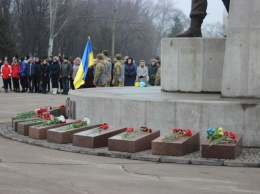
{"points": [[100, 77], [197, 15], [107, 61], [117, 81]]}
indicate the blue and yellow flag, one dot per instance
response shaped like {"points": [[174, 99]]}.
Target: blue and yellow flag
{"points": [[86, 62]]}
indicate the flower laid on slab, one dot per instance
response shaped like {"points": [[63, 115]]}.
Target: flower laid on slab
{"points": [[33, 121], [176, 134], [25, 115], [130, 132], [78, 124], [218, 136], [51, 120], [98, 130], [62, 106]]}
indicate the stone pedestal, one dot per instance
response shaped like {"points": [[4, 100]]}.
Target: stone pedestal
{"points": [[192, 64], [41, 133], [62, 137], [178, 147], [223, 151], [58, 112], [241, 77], [138, 143], [23, 127], [86, 140], [16, 121]]}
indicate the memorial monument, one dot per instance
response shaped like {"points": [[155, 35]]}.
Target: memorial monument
{"points": [[192, 67]]}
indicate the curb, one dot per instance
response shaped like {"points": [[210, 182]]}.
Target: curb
{"points": [[193, 159]]}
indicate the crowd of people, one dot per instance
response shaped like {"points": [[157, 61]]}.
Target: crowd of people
{"points": [[57, 74]]}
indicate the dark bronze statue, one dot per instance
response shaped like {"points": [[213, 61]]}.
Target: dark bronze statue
{"points": [[197, 15]]}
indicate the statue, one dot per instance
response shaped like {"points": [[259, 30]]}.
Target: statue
{"points": [[197, 15]]}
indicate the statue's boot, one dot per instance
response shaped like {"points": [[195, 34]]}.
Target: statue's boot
{"points": [[195, 28]]}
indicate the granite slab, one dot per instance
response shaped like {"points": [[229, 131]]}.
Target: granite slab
{"points": [[23, 127]]}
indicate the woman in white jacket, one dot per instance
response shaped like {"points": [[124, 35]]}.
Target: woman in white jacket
{"points": [[142, 72]]}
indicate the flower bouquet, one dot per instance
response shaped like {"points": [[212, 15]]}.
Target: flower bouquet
{"points": [[51, 120], [176, 134], [98, 130], [130, 132], [78, 124], [218, 136], [140, 84]]}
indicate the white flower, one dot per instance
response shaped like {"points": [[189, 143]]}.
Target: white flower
{"points": [[61, 119], [86, 120]]}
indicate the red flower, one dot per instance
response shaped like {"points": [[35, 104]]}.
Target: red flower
{"points": [[176, 130], [79, 121], [50, 107], [232, 135], [130, 129], [104, 126], [149, 130], [144, 128], [62, 106], [47, 116], [189, 133], [226, 134]]}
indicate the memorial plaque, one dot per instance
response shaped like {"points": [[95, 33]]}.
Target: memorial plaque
{"points": [[178, 147], [62, 137], [223, 151], [23, 127], [138, 142], [41, 132], [16, 121], [87, 139]]}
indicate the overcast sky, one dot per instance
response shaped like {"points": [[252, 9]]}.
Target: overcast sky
{"points": [[215, 10]]}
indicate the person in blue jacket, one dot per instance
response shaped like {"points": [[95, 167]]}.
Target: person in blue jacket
{"points": [[23, 76]]}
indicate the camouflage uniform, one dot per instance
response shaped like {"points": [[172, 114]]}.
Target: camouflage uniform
{"points": [[197, 15], [99, 78], [117, 71], [158, 77], [108, 65]]}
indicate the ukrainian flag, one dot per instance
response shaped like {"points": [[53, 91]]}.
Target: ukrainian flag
{"points": [[86, 62]]}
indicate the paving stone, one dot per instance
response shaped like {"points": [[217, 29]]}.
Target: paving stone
{"points": [[208, 162], [177, 160], [151, 158], [240, 163]]}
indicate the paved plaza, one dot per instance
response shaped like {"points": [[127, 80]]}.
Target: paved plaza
{"points": [[27, 168]]}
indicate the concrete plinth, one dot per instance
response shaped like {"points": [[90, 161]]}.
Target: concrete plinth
{"points": [[241, 76], [135, 107], [192, 64]]}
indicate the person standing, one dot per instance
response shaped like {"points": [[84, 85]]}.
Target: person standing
{"points": [[23, 75], [31, 69], [65, 72], [6, 74], [152, 72], [75, 69], [45, 71], [130, 73], [50, 62], [100, 74], [108, 69], [158, 75], [142, 72], [37, 78], [118, 72], [55, 74], [16, 67]]}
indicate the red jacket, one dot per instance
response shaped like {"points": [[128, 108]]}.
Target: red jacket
{"points": [[6, 71], [15, 70]]}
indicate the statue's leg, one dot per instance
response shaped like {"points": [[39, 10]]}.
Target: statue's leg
{"points": [[198, 13], [226, 3]]}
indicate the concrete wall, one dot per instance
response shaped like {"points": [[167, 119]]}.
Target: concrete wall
{"points": [[241, 76], [164, 114], [192, 64]]}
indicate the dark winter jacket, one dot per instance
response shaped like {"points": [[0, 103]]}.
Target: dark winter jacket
{"points": [[38, 71], [130, 74], [152, 73], [65, 70], [45, 70], [31, 69], [55, 70]]}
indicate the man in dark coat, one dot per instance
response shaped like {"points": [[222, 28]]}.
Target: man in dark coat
{"points": [[130, 72], [31, 69], [197, 15], [45, 71], [152, 72]]}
